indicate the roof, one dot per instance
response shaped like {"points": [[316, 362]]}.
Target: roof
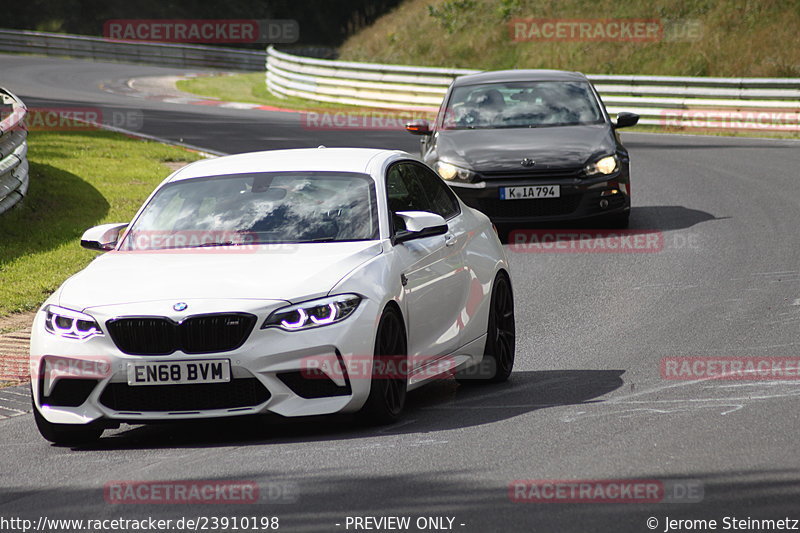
{"points": [[300, 159], [499, 76]]}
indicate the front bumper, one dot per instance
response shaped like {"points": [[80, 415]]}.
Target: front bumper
{"points": [[580, 199], [77, 382]]}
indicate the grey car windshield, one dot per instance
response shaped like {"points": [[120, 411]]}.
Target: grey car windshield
{"points": [[261, 208], [526, 104]]}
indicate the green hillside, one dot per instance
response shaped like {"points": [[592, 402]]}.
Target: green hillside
{"points": [[726, 38]]}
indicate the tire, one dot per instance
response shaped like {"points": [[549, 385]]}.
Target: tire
{"points": [[619, 221], [498, 355], [387, 395], [67, 434]]}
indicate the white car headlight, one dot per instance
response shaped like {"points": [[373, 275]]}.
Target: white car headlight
{"points": [[451, 172], [605, 165], [314, 313], [70, 324]]}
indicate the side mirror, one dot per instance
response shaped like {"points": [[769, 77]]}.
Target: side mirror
{"points": [[102, 238], [419, 127], [420, 224], [626, 119]]}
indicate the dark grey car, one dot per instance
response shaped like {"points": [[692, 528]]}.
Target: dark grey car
{"points": [[530, 145]]}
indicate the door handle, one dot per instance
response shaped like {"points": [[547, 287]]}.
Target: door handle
{"points": [[449, 239]]}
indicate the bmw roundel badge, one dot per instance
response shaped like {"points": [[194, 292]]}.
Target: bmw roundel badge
{"points": [[180, 306]]}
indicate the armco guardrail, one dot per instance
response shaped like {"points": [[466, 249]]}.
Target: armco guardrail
{"points": [[730, 103], [100, 49], [13, 151], [365, 84]]}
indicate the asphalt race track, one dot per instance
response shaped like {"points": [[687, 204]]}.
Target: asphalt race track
{"points": [[587, 400]]}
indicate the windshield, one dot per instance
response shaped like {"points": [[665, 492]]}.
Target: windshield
{"points": [[263, 208], [529, 104]]}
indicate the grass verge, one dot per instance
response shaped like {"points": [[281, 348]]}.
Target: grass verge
{"points": [[252, 89], [78, 179], [715, 132]]}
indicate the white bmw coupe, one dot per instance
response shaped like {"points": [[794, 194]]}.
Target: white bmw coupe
{"points": [[296, 282]]}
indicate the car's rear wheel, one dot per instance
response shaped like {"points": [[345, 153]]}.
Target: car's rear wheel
{"points": [[498, 356], [387, 395], [67, 434]]}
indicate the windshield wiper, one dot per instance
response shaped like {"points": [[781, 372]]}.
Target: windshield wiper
{"points": [[322, 239], [224, 243]]}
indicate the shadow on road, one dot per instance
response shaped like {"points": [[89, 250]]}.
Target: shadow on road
{"points": [[644, 220], [58, 208], [439, 406], [668, 217]]}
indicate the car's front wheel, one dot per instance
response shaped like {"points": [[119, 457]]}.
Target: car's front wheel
{"points": [[498, 357], [387, 394], [67, 434], [618, 221]]}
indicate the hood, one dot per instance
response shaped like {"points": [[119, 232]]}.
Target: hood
{"points": [[486, 150], [286, 272]]}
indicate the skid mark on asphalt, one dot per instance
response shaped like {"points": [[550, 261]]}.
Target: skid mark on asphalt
{"points": [[394, 427], [15, 401], [670, 286], [397, 443], [483, 397], [753, 279], [738, 350], [742, 396]]}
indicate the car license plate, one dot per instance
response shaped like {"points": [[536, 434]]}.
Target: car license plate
{"points": [[530, 191], [179, 372]]}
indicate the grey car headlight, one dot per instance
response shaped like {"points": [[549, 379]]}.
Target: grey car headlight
{"points": [[605, 165], [314, 313], [450, 172], [69, 323]]}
